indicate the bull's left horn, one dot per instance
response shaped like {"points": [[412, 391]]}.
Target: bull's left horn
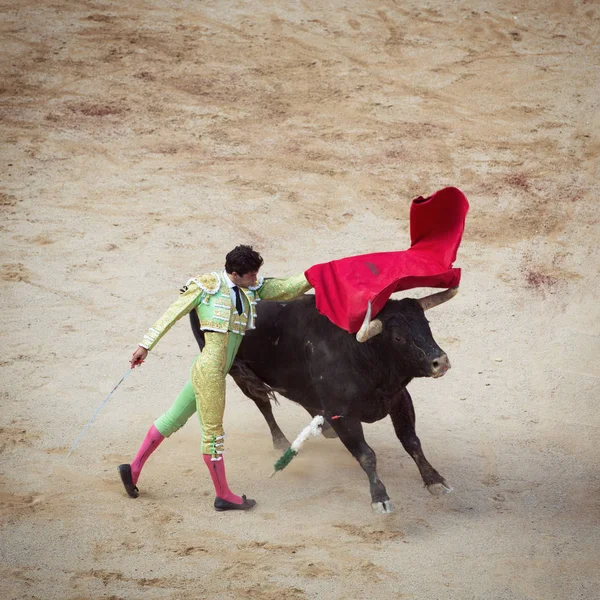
{"points": [[369, 328], [438, 298]]}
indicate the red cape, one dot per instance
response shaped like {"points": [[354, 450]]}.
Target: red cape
{"points": [[344, 287]]}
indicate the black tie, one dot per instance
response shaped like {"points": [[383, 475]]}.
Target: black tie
{"points": [[238, 300]]}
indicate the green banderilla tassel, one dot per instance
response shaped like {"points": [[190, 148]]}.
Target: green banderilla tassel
{"points": [[310, 430], [284, 461]]}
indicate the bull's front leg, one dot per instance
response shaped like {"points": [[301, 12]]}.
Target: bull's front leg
{"points": [[350, 432], [402, 413]]}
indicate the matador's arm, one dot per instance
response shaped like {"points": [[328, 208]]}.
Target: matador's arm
{"points": [[181, 307], [284, 289]]}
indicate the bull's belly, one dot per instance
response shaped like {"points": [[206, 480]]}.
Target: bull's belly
{"points": [[284, 382], [376, 406], [374, 410], [303, 397]]}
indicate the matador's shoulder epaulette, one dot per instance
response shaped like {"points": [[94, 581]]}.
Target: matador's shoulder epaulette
{"points": [[209, 282]]}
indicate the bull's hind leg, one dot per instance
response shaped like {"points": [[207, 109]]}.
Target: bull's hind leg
{"points": [[402, 413], [350, 432], [262, 401]]}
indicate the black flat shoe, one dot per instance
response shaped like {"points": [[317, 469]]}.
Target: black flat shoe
{"points": [[126, 478], [221, 504]]}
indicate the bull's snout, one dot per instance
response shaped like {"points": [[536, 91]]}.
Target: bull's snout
{"points": [[440, 365]]}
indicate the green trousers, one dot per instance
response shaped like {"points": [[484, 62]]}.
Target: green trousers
{"points": [[204, 392]]}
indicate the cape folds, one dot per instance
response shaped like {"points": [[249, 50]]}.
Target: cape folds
{"points": [[344, 287]]}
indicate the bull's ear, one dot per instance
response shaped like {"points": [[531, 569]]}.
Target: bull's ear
{"points": [[369, 328], [437, 299]]}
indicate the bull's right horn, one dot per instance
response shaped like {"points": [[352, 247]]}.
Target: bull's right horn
{"points": [[438, 298], [369, 328]]}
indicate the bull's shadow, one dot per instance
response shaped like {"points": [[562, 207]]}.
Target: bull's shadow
{"points": [[301, 355]]}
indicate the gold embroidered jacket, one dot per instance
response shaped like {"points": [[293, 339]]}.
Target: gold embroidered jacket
{"points": [[209, 294]]}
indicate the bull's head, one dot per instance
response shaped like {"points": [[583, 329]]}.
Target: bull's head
{"points": [[410, 328]]}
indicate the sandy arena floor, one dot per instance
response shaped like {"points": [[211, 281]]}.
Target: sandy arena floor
{"points": [[142, 140]]}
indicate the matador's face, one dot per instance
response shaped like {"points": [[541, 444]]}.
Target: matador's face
{"points": [[248, 280]]}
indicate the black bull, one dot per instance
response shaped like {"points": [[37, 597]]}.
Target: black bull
{"points": [[301, 355]]}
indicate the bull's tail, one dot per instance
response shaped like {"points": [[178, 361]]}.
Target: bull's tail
{"points": [[249, 382]]}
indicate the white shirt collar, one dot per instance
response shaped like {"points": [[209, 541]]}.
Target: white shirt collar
{"points": [[228, 281]]}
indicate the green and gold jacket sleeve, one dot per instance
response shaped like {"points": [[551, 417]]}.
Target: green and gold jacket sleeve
{"points": [[181, 307], [283, 289]]}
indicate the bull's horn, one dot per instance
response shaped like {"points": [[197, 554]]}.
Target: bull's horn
{"points": [[438, 298], [369, 328]]}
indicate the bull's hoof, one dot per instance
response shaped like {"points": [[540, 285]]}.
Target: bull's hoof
{"points": [[439, 489], [383, 508]]}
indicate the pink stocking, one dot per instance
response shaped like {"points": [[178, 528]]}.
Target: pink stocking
{"points": [[217, 473], [149, 445]]}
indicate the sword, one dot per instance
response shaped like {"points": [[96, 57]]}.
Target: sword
{"points": [[96, 413]]}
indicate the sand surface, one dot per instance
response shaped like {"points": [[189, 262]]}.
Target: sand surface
{"points": [[142, 140]]}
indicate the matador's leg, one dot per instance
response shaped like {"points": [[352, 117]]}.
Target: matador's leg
{"points": [[208, 379], [168, 423], [179, 412]]}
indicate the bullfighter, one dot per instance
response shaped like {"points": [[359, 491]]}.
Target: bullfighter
{"points": [[226, 306]]}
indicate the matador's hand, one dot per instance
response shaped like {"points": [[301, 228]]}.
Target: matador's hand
{"points": [[138, 357]]}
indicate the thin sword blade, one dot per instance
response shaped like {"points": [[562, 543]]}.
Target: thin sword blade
{"points": [[97, 411]]}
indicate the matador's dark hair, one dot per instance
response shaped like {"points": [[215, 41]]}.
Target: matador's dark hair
{"points": [[243, 259]]}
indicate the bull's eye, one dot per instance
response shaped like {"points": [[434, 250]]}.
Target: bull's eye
{"points": [[399, 339]]}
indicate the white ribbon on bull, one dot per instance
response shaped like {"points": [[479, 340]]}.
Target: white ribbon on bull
{"points": [[370, 328]]}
